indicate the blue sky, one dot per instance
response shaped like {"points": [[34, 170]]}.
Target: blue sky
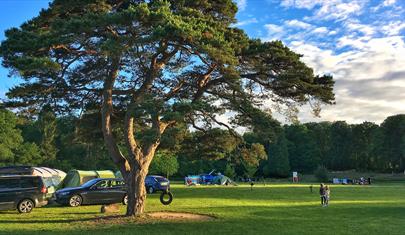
{"points": [[360, 42]]}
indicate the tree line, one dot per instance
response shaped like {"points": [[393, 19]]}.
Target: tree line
{"points": [[268, 150]]}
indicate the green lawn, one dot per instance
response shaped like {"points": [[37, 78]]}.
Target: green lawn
{"points": [[271, 209]]}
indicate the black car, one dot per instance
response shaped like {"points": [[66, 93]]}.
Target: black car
{"points": [[96, 191], [22, 193]]}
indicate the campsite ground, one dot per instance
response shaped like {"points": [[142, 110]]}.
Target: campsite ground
{"points": [[271, 209]]}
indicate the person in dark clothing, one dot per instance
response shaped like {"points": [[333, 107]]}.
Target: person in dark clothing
{"points": [[322, 194]]}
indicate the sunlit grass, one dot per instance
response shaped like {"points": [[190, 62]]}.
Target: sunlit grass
{"points": [[279, 208]]}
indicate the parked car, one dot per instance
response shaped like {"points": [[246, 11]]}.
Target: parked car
{"points": [[154, 183], [22, 193], [93, 192]]}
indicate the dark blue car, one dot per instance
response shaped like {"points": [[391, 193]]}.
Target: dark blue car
{"points": [[155, 183]]}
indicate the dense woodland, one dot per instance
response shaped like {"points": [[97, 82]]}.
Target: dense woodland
{"points": [[274, 150]]}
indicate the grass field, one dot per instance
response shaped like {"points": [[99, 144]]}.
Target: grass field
{"points": [[271, 209]]}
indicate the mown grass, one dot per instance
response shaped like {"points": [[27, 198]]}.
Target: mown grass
{"points": [[271, 209]]}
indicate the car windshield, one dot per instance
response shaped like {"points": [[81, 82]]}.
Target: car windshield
{"points": [[90, 183], [160, 179]]}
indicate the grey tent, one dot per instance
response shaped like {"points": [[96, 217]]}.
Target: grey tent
{"points": [[223, 180]]}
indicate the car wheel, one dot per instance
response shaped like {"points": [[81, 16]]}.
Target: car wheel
{"points": [[125, 200], [164, 200], [151, 190], [25, 206], [75, 200]]}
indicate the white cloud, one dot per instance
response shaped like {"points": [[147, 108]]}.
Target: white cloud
{"points": [[320, 30], [333, 32], [328, 9], [307, 4], [246, 22], [370, 80], [358, 27], [388, 2], [297, 24], [363, 48], [393, 28], [274, 32], [242, 4]]}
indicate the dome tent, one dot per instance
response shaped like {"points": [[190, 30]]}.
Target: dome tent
{"points": [[75, 178], [223, 180]]}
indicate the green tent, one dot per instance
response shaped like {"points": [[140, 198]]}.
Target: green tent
{"points": [[75, 178]]}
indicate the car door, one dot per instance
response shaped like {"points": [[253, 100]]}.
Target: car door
{"points": [[8, 193], [116, 191], [98, 193]]}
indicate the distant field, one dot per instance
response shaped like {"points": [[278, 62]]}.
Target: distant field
{"points": [[271, 209]]}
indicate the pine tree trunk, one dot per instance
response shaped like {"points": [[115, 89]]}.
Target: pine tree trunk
{"points": [[136, 192]]}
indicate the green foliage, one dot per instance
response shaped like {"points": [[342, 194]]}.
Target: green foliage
{"points": [[302, 149], [321, 174], [393, 132], [13, 149], [229, 171], [340, 153], [278, 164], [29, 154], [47, 127], [164, 163], [10, 137], [249, 157], [214, 144]]}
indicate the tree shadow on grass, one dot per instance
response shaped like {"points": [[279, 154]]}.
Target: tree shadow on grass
{"points": [[59, 221], [80, 213]]}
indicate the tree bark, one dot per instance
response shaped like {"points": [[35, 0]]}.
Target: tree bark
{"points": [[136, 192], [134, 167], [106, 113]]}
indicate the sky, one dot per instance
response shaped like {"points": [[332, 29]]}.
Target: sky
{"points": [[360, 42]]}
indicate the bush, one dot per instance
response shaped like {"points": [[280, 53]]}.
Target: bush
{"points": [[321, 174]]}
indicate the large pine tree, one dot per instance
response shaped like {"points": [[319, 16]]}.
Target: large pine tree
{"points": [[151, 64]]}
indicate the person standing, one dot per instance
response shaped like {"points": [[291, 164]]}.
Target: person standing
{"points": [[322, 194], [327, 195]]}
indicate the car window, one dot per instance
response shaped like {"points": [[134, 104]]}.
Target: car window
{"points": [[102, 184], [9, 183], [149, 180], [28, 182], [117, 183], [89, 183], [161, 179]]}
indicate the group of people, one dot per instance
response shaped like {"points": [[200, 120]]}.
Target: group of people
{"points": [[324, 192]]}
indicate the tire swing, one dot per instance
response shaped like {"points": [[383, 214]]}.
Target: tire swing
{"points": [[166, 201]]}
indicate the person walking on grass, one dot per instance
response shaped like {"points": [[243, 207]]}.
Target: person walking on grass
{"points": [[322, 194], [327, 195]]}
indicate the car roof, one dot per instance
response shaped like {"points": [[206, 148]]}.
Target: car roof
{"points": [[107, 179], [18, 176], [156, 176]]}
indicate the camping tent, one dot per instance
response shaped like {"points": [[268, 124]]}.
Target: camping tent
{"points": [[223, 180], [75, 178], [51, 177]]}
